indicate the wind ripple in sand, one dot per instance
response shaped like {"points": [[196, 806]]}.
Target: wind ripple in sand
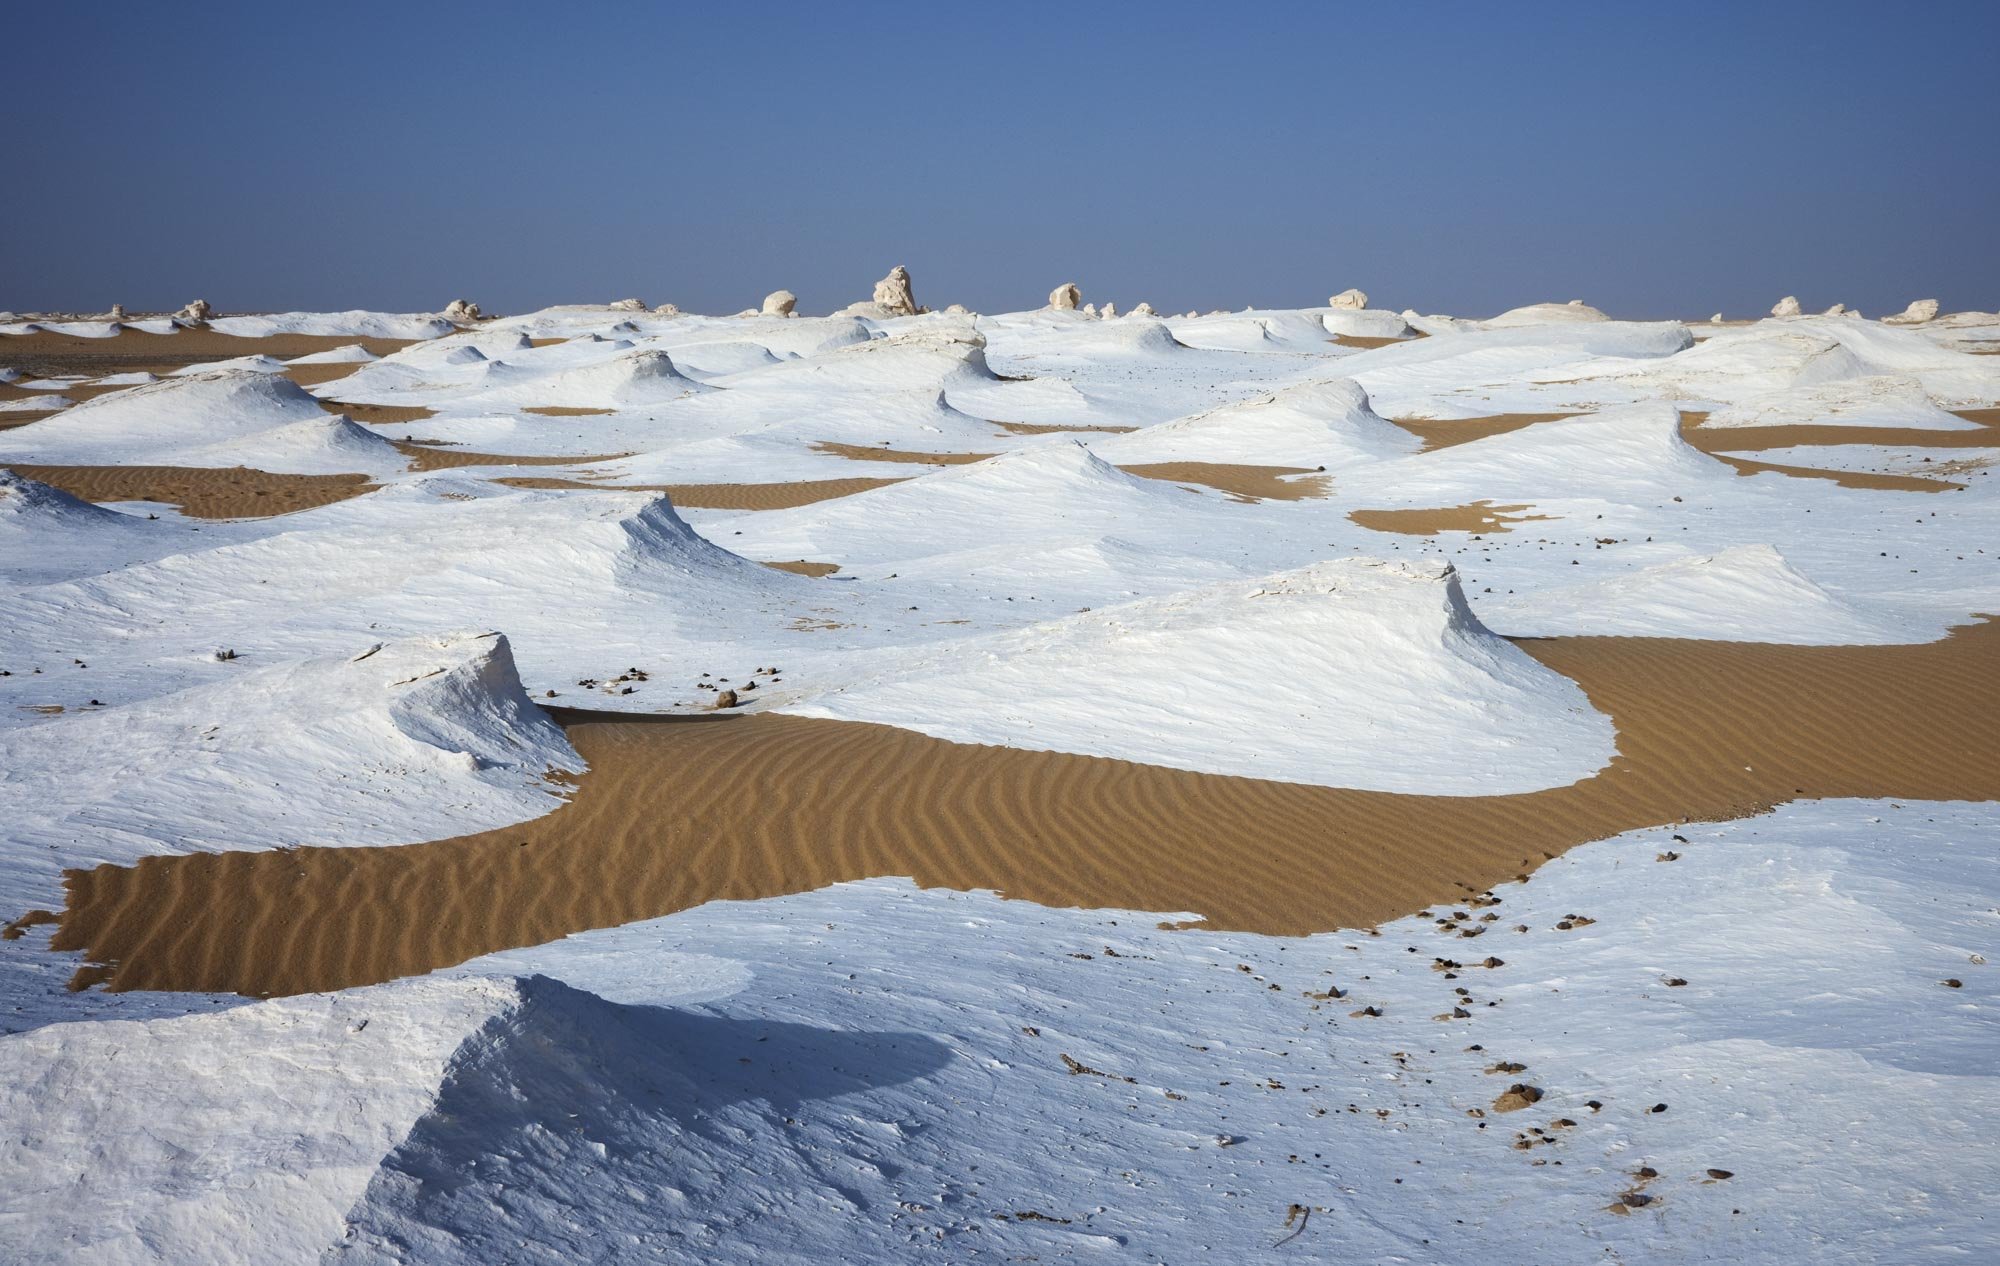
{"points": [[677, 812]]}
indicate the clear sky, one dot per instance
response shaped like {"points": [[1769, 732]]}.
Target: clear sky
{"points": [[1653, 159]]}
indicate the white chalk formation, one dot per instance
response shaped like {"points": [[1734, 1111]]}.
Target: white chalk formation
{"points": [[780, 303], [1351, 299], [1066, 297], [195, 313], [893, 294], [1786, 307], [628, 305], [461, 310], [1917, 313]]}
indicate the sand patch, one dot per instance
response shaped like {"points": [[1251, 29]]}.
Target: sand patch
{"points": [[1035, 428], [774, 496], [565, 411], [377, 414], [1745, 439], [678, 811], [428, 457], [1364, 342], [863, 453], [1242, 483], [133, 350], [1845, 478], [1479, 516], [801, 567], [314, 375], [235, 492], [1436, 435]]}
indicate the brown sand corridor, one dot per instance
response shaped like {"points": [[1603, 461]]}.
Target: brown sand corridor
{"points": [[676, 812]]}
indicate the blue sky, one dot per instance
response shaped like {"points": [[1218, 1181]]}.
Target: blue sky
{"points": [[1655, 160]]}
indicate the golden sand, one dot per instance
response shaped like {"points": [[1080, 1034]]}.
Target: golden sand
{"points": [[676, 811], [1242, 483], [1479, 516], [1436, 435], [1032, 428], [773, 496], [235, 492], [865, 453]]}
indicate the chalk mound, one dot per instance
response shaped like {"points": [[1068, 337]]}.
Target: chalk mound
{"points": [[355, 324], [1869, 400], [1359, 323], [1311, 424], [400, 741], [352, 354], [933, 359], [1573, 312], [1455, 373], [802, 336], [1354, 673], [1634, 454], [325, 445], [256, 363], [630, 379], [227, 418], [705, 361], [1271, 331], [48, 535], [306, 1093], [1135, 337], [74, 329], [1774, 356], [1746, 593], [36, 404], [631, 542], [1035, 495]]}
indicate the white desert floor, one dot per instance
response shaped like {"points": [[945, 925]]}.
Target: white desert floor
{"points": [[1782, 1046]]}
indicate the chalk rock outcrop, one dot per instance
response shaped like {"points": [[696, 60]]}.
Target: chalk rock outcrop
{"points": [[1065, 298], [780, 303], [1143, 309], [667, 309], [1349, 298], [461, 310], [1838, 309], [893, 294], [1088, 309], [1786, 307], [958, 309], [1716, 319], [195, 313], [1109, 310], [117, 312], [1916, 314], [628, 305]]}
